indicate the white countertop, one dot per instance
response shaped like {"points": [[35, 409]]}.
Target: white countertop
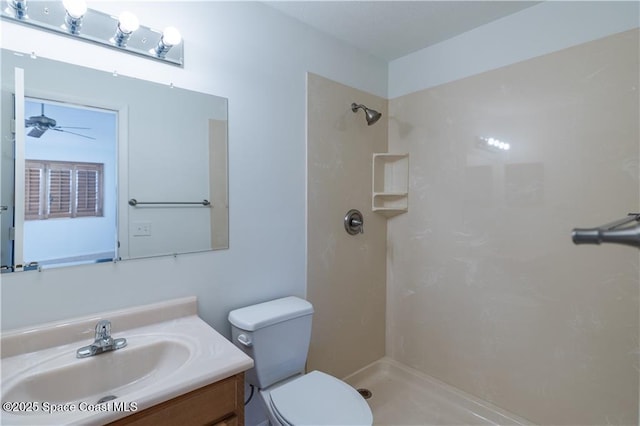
{"points": [[28, 352]]}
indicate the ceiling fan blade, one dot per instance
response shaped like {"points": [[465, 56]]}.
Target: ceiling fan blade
{"points": [[70, 127], [57, 129], [36, 132]]}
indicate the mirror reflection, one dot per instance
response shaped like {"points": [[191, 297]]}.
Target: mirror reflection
{"points": [[93, 142], [70, 183]]}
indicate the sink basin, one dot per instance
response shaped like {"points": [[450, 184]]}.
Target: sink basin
{"points": [[170, 351], [64, 378]]}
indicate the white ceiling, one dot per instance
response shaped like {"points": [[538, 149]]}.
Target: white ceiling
{"points": [[392, 29]]}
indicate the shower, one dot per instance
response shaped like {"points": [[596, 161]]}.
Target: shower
{"points": [[371, 114]]}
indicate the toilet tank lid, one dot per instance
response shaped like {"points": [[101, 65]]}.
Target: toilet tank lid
{"points": [[255, 317]]}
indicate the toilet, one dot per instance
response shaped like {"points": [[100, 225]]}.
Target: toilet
{"points": [[276, 335]]}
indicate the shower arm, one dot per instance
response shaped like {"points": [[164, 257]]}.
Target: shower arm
{"points": [[611, 232]]}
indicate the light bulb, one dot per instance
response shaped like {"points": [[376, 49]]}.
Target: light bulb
{"points": [[75, 8], [171, 36], [128, 22]]}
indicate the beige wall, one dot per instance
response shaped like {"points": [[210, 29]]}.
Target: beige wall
{"points": [[486, 291], [345, 274]]}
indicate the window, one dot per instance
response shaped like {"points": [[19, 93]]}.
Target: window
{"points": [[57, 189]]}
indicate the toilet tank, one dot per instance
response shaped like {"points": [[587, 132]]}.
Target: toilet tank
{"points": [[276, 336]]}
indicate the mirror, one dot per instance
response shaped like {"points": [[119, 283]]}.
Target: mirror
{"points": [[169, 189]]}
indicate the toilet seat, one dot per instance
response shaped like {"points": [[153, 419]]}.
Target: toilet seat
{"points": [[319, 399]]}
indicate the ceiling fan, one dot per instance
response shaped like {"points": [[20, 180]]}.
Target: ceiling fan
{"points": [[41, 123]]}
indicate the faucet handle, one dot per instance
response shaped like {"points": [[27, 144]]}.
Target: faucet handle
{"points": [[103, 329]]}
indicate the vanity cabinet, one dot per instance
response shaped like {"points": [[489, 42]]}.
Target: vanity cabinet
{"points": [[217, 404]]}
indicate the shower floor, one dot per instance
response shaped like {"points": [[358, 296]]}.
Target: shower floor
{"points": [[404, 396]]}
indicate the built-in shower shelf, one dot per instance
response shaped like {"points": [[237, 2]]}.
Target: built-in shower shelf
{"points": [[390, 183]]}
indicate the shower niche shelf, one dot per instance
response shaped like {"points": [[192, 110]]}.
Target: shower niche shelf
{"points": [[390, 184]]}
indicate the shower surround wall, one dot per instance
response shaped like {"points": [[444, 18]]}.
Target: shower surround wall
{"points": [[486, 291], [345, 274]]}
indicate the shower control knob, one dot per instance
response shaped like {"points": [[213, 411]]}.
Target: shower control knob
{"points": [[354, 222]]}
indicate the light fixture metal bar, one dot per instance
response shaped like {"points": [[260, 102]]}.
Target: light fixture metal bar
{"points": [[97, 27]]}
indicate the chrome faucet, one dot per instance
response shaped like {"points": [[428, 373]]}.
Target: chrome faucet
{"points": [[103, 341]]}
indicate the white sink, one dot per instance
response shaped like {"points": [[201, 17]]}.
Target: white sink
{"points": [[162, 360], [64, 378]]}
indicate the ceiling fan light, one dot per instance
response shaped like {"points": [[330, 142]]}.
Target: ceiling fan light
{"points": [[40, 124]]}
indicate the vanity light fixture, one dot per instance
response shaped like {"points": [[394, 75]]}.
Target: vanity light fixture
{"points": [[72, 18], [18, 8], [74, 12]]}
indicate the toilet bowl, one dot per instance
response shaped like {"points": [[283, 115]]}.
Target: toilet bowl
{"points": [[276, 334], [317, 398]]}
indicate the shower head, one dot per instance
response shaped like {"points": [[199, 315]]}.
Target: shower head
{"points": [[370, 114]]}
